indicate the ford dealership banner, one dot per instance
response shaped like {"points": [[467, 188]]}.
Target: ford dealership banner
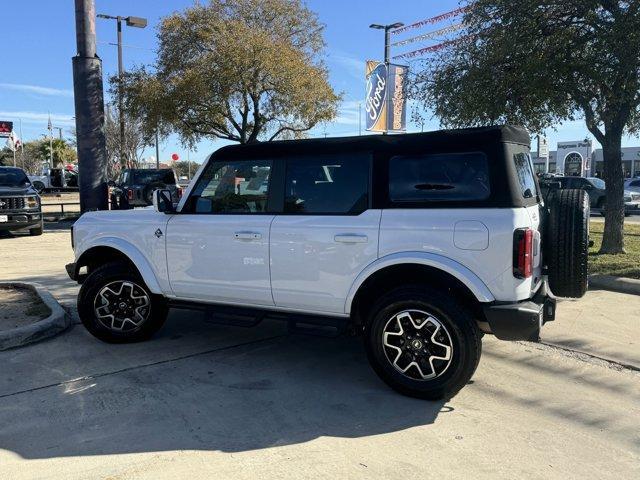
{"points": [[385, 104]]}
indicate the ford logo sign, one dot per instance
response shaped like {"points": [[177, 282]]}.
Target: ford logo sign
{"points": [[376, 94]]}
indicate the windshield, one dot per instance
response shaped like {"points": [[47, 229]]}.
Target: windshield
{"points": [[597, 182], [151, 176], [13, 177]]}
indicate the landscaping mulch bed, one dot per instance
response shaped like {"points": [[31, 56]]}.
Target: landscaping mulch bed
{"points": [[19, 307]]}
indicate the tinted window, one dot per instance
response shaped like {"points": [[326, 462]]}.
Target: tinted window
{"points": [[152, 176], [327, 184], [232, 187], [597, 182], [635, 183], [524, 171], [13, 177], [439, 177]]}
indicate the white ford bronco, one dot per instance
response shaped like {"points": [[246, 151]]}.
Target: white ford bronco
{"points": [[420, 242]]}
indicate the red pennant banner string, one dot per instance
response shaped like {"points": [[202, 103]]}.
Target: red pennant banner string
{"points": [[430, 21]]}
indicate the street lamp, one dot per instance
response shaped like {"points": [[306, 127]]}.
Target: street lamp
{"points": [[387, 29], [137, 22]]}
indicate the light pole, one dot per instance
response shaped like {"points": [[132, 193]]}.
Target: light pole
{"points": [[387, 33], [387, 46], [137, 22]]}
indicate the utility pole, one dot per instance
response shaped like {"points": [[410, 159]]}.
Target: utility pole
{"points": [[59, 132], [157, 151], [21, 144], [359, 118], [89, 108], [137, 22], [50, 128], [387, 42]]}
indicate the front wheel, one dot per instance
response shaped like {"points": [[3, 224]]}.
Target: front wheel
{"points": [[423, 343], [116, 306]]}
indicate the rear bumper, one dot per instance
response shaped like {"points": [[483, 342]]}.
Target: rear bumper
{"points": [[19, 220], [521, 320]]}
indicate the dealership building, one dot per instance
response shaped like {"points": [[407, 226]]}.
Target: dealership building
{"points": [[579, 159]]}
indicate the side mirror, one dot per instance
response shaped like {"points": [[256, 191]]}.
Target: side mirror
{"points": [[111, 183], [162, 201]]}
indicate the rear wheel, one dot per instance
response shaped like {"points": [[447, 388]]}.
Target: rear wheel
{"points": [[566, 245], [116, 306], [422, 343]]}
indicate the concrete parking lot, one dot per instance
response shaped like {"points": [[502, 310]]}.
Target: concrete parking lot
{"points": [[207, 401]]}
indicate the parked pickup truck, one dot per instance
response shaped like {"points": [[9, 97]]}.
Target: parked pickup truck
{"points": [[420, 242], [55, 179], [20, 207]]}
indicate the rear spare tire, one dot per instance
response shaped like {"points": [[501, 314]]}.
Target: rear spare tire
{"points": [[566, 245]]}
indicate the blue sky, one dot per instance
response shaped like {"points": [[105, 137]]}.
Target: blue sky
{"points": [[35, 61]]}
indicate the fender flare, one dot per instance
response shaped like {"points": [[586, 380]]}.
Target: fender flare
{"points": [[477, 287], [132, 253]]}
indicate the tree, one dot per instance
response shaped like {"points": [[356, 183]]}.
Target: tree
{"points": [[182, 168], [36, 153], [540, 62], [135, 141], [243, 71]]}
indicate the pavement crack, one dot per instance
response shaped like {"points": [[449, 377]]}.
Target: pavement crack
{"points": [[587, 357], [144, 365]]}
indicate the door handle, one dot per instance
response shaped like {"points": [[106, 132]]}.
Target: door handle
{"points": [[351, 238], [247, 236]]}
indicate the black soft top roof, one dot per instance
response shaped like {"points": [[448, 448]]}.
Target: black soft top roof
{"points": [[463, 139]]}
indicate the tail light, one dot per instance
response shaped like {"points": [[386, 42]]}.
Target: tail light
{"points": [[179, 192], [130, 194], [523, 253]]}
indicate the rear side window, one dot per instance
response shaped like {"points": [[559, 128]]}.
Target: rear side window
{"points": [[439, 177], [524, 170], [327, 184]]}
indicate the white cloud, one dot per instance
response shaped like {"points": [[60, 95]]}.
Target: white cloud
{"points": [[38, 90], [38, 117], [353, 66]]}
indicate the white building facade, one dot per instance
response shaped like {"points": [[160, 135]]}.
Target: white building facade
{"points": [[579, 159]]}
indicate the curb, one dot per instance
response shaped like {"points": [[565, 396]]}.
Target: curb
{"points": [[614, 284], [56, 322]]}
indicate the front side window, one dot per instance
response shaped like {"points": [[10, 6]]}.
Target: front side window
{"points": [[327, 184], [232, 187], [524, 171], [439, 177]]}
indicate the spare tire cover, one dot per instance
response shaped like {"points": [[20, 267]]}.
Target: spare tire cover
{"points": [[566, 242]]}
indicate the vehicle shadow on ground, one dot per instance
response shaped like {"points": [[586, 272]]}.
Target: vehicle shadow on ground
{"points": [[263, 389]]}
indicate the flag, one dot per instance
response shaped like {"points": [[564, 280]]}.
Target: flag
{"points": [[13, 142]]}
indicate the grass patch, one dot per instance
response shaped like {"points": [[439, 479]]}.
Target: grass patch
{"points": [[624, 265]]}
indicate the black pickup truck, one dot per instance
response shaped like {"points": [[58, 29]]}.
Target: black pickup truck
{"points": [[135, 187], [20, 206]]}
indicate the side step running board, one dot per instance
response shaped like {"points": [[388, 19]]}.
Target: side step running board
{"points": [[250, 317]]}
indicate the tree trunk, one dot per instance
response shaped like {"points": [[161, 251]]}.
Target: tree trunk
{"points": [[613, 239]]}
